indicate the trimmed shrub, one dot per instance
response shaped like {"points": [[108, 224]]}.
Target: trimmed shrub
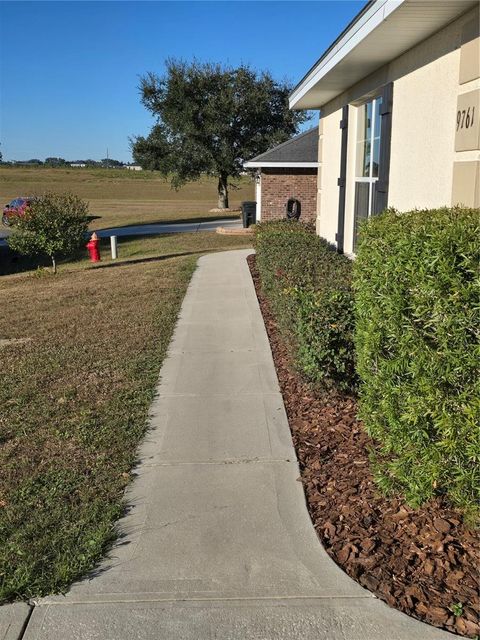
{"points": [[308, 286], [54, 225], [417, 326], [324, 333]]}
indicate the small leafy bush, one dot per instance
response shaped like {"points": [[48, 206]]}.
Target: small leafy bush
{"points": [[54, 225], [416, 282], [308, 286]]}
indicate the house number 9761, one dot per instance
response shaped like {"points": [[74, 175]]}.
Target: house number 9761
{"points": [[465, 118]]}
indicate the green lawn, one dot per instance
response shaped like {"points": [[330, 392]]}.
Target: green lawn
{"points": [[81, 353]]}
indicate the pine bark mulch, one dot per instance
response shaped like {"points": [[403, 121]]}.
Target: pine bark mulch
{"points": [[423, 562]]}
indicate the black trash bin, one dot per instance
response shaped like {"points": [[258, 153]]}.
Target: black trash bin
{"points": [[249, 213]]}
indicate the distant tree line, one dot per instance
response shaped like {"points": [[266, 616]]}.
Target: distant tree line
{"points": [[61, 162]]}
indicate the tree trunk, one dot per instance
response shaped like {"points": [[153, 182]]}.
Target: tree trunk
{"points": [[223, 191], [54, 263]]}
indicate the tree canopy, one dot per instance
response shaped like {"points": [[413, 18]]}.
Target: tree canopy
{"points": [[110, 162], [55, 162], [210, 119]]}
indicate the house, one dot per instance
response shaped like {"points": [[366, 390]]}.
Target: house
{"points": [[287, 174], [132, 167], [399, 99], [78, 165]]}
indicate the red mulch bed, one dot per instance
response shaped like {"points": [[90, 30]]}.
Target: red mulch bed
{"points": [[419, 561]]}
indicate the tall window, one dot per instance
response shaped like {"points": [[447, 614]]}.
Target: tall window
{"points": [[367, 160], [368, 145]]}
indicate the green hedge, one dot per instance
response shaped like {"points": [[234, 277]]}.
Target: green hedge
{"points": [[417, 327], [309, 289]]}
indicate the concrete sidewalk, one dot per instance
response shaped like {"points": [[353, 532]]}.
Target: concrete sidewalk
{"points": [[218, 542]]}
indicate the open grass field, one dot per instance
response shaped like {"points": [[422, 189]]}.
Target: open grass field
{"points": [[120, 197], [81, 353]]}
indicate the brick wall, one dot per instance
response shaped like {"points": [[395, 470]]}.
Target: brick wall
{"points": [[278, 185]]}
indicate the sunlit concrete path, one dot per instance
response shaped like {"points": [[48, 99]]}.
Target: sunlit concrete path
{"points": [[217, 542]]}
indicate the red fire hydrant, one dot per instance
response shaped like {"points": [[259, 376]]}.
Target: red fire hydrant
{"points": [[93, 248]]}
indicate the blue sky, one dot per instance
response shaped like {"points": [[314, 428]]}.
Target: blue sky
{"points": [[70, 70]]}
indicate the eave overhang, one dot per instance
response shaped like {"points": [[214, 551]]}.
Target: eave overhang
{"points": [[381, 32]]}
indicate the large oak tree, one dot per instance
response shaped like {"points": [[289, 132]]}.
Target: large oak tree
{"points": [[210, 119]]}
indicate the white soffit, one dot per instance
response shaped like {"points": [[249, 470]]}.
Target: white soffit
{"points": [[385, 30]]}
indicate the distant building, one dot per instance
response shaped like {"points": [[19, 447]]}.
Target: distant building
{"points": [[78, 165], [287, 179], [133, 167]]}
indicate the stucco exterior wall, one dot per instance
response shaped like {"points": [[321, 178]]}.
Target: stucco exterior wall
{"points": [[426, 86], [423, 122], [279, 185], [328, 173], [350, 180]]}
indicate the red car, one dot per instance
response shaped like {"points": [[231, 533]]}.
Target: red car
{"points": [[16, 207]]}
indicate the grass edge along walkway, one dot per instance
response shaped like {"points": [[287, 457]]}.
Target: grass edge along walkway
{"points": [[81, 354]]}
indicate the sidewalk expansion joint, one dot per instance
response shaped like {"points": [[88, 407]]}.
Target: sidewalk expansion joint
{"points": [[154, 597], [205, 350], [23, 630], [230, 394], [176, 463]]}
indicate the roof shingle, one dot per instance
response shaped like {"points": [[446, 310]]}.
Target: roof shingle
{"points": [[301, 148]]}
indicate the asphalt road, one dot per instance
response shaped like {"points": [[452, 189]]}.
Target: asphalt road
{"points": [[152, 229]]}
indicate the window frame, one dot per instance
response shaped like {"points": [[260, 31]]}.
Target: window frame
{"points": [[376, 101]]}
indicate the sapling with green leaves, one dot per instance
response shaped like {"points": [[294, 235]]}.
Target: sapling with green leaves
{"points": [[53, 225]]}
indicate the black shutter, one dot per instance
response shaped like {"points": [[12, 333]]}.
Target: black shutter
{"points": [[342, 181], [381, 187]]}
